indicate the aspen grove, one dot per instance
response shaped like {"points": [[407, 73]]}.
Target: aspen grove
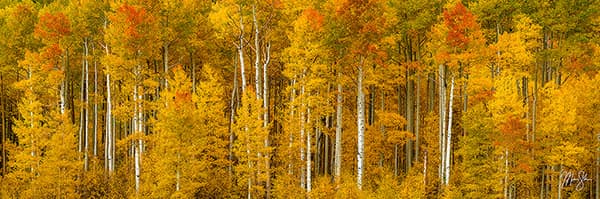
{"points": [[300, 99]]}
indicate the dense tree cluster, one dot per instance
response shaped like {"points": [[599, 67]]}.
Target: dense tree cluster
{"points": [[300, 99]]}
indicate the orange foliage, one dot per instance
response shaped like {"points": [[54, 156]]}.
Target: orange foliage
{"points": [[51, 55], [482, 96], [459, 21], [53, 26], [134, 18], [513, 130], [314, 18], [182, 97]]}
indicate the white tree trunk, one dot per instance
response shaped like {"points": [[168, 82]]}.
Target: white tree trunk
{"points": [[232, 118], [95, 104], [292, 113], [308, 155], [109, 135], [338, 133], [360, 106], [302, 135], [449, 132], [110, 141], [81, 108], [241, 52], [177, 175], [62, 91], [62, 96], [135, 129], [506, 174], [86, 103], [425, 168], [137, 169], [266, 115], [441, 119], [266, 87], [257, 83]]}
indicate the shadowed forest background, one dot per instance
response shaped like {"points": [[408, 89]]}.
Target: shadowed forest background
{"points": [[300, 99]]}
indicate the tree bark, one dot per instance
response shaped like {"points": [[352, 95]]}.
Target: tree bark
{"points": [[110, 136], [266, 116], [85, 103], [241, 51], [382, 128], [338, 132], [303, 174], [110, 140], [257, 55], [360, 106], [441, 119], [409, 117], [231, 120], [95, 103], [417, 117], [137, 168], [308, 154], [449, 134]]}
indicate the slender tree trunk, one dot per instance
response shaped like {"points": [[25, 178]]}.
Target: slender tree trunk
{"points": [[291, 140], [449, 133], [409, 117], [266, 116], [382, 128], [442, 118], [534, 111], [598, 170], [360, 106], [62, 92], [95, 103], [81, 108], [425, 168], [417, 118], [86, 103], [326, 150], [526, 104], [241, 52], [109, 132], [109, 137], [137, 168], [465, 99], [559, 181], [177, 174], [338, 132], [303, 182], [319, 146], [543, 183], [2, 102], [308, 154], [257, 83], [231, 120], [134, 125]]}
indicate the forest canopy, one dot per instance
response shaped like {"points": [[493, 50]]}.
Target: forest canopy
{"points": [[300, 99]]}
